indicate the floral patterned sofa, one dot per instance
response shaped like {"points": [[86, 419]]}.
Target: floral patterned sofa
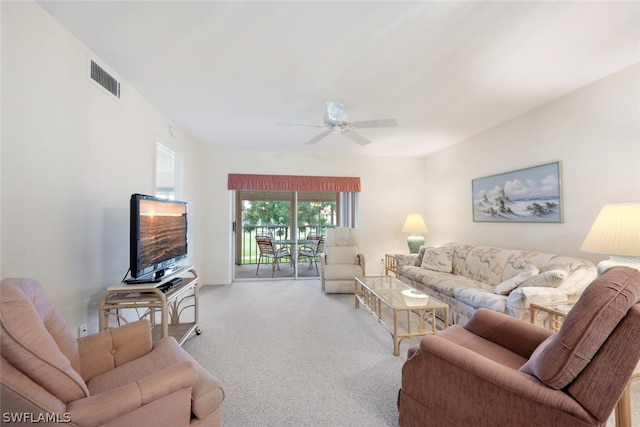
{"points": [[468, 277]]}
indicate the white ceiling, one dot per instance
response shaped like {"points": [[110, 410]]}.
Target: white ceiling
{"points": [[226, 72]]}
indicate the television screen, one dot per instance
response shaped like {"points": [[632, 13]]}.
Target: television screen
{"points": [[158, 234]]}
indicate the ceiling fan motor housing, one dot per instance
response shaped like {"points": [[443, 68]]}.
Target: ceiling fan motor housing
{"points": [[335, 112]]}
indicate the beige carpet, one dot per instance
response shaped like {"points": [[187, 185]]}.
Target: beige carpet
{"points": [[290, 355]]}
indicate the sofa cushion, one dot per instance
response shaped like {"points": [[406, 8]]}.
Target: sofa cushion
{"points": [[418, 262], [503, 288], [443, 283], [522, 260], [479, 298], [460, 252], [437, 259], [548, 279], [561, 357], [486, 264], [569, 264]]}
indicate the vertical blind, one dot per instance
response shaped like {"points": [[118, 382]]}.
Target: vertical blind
{"points": [[348, 210]]}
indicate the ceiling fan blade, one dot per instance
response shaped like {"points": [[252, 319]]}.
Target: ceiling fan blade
{"points": [[356, 137], [381, 123], [318, 137], [317, 125]]}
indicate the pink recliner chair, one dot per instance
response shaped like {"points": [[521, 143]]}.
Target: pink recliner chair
{"points": [[502, 371], [118, 377]]}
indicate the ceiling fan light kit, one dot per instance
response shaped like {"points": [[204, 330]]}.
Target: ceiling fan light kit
{"points": [[335, 122]]}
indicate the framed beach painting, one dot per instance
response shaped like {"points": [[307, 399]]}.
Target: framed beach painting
{"points": [[527, 195]]}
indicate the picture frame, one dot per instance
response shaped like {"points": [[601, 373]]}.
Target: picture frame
{"points": [[532, 194]]}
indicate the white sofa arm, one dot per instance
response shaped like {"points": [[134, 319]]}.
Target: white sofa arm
{"points": [[520, 299], [578, 280], [406, 259]]}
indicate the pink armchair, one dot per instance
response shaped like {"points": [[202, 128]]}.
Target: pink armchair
{"points": [[498, 370], [114, 378]]}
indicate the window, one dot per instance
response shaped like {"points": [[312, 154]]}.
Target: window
{"points": [[165, 172]]}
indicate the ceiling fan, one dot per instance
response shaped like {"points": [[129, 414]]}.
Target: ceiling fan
{"points": [[335, 122]]}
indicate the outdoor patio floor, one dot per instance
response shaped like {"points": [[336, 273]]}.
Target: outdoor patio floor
{"points": [[248, 271]]}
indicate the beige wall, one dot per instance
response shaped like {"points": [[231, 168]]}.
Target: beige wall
{"points": [[594, 132], [72, 155]]}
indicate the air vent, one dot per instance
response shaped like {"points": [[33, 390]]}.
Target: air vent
{"points": [[104, 79]]}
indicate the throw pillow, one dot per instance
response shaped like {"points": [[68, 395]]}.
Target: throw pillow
{"points": [[561, 357], [418, 262], [510, 284], [437, 259], [548, 279], [566, 266]]}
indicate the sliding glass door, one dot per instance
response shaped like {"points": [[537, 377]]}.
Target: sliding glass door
{"points": [[293, 222]]}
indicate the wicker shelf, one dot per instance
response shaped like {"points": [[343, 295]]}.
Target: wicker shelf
{"points": [[170, 306]]}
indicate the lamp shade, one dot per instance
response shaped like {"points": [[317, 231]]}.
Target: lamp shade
{"points": [[414, 224], [616, 231]]}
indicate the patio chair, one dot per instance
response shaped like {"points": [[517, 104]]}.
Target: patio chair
{"points": [[270, 253], [311, 251]]}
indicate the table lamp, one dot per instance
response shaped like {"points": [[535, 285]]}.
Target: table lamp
{"points": [[616, 232], [414, 224]]}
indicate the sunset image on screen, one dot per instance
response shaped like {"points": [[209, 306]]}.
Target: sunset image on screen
{"points": [[163, 229]]}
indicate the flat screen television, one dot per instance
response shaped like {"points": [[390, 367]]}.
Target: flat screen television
{"points": [[158, 236]]}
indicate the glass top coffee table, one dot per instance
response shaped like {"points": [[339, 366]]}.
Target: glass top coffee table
{"points": [[377, 292]]}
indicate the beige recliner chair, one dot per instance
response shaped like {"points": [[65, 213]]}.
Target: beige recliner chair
{"points": [[118, 377], [341, 261]]}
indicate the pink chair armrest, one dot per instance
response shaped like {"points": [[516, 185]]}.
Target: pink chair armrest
{"points": [[514, 334], [105, 407], [107, 349]]}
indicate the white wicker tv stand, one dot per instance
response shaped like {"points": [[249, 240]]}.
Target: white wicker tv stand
{"points": [[171, 305]]}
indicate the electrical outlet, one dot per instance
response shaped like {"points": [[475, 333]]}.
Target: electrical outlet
{"points": [[82, 331], [381, 260]]}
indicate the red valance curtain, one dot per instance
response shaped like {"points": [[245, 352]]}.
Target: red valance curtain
{"points": [[293, 183]]}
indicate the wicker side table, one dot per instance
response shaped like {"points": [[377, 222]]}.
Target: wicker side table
{"points": [[557, 311], [390, 264]]}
